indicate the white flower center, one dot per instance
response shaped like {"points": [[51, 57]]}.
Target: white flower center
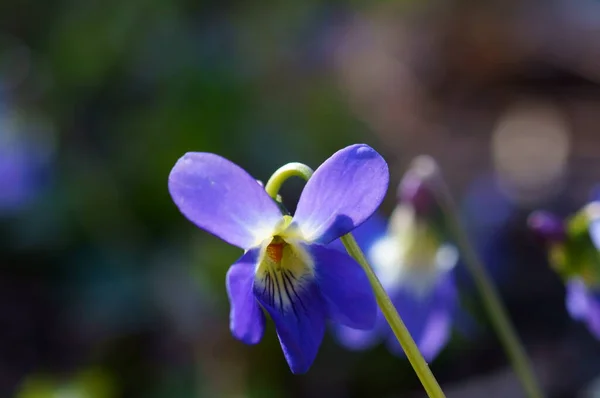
{"points": [[409, 257]]}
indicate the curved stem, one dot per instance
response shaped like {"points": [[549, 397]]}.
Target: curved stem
{"points": [[490, 297], [283, 173], [413, 354]]}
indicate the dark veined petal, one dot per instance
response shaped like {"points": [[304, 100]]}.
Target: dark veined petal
{"points": [[428, 319], [343, 192], [344, 287], [223, 199], [246, 318], [296, 307]]}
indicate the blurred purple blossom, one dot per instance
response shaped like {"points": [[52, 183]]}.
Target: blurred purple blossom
{"points": [[416, 269]]}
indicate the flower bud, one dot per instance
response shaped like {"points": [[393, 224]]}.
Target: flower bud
{"points": [[547, 226]]}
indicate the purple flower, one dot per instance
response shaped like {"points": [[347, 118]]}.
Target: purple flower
{"points": [[286, 268], [416, 271]]}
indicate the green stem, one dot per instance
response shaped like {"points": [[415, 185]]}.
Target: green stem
{"points": [[413, 354], [415, 358], [430, 173], [283, 173]]}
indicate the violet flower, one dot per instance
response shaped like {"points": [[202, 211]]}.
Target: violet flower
{"points": [[416, 269], [286, 269]]}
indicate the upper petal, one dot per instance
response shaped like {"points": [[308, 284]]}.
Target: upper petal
{"points": [[223, 199], [345, 288], [342, 193], [296, 308], [246, 319]]}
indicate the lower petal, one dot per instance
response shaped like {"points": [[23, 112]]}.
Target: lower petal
{"points": [[577, 300], [247, 321], [428, 319], [345, 288], [296, 307], [583, 305], [355, 339], [436, 334]]}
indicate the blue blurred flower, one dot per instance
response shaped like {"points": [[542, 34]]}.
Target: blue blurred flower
{"points": [[286, 268], [416, 269]]}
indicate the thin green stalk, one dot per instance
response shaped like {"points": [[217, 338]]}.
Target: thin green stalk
{"points": [[430, 173], [413, 354], [283, 173]]}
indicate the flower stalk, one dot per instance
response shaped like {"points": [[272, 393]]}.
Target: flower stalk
{"points": [[413, 354], [428, 170]]}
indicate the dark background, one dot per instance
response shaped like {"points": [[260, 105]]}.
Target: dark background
{"points": [[106, 290]]}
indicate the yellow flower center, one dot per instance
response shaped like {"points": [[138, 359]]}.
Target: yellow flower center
{"points": [[284, 267]]}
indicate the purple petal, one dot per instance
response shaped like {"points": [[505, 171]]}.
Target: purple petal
{"points": [[355, 339], [436, 334], [246, 319], [583, 305], [345, 288], [370, 231], [299, 319], [221, 198], [344, 192], [594, 228], [577, 299], [428, 319], [366, 234]]}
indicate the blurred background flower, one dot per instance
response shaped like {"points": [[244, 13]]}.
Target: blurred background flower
{"points": [[415, 266]]}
